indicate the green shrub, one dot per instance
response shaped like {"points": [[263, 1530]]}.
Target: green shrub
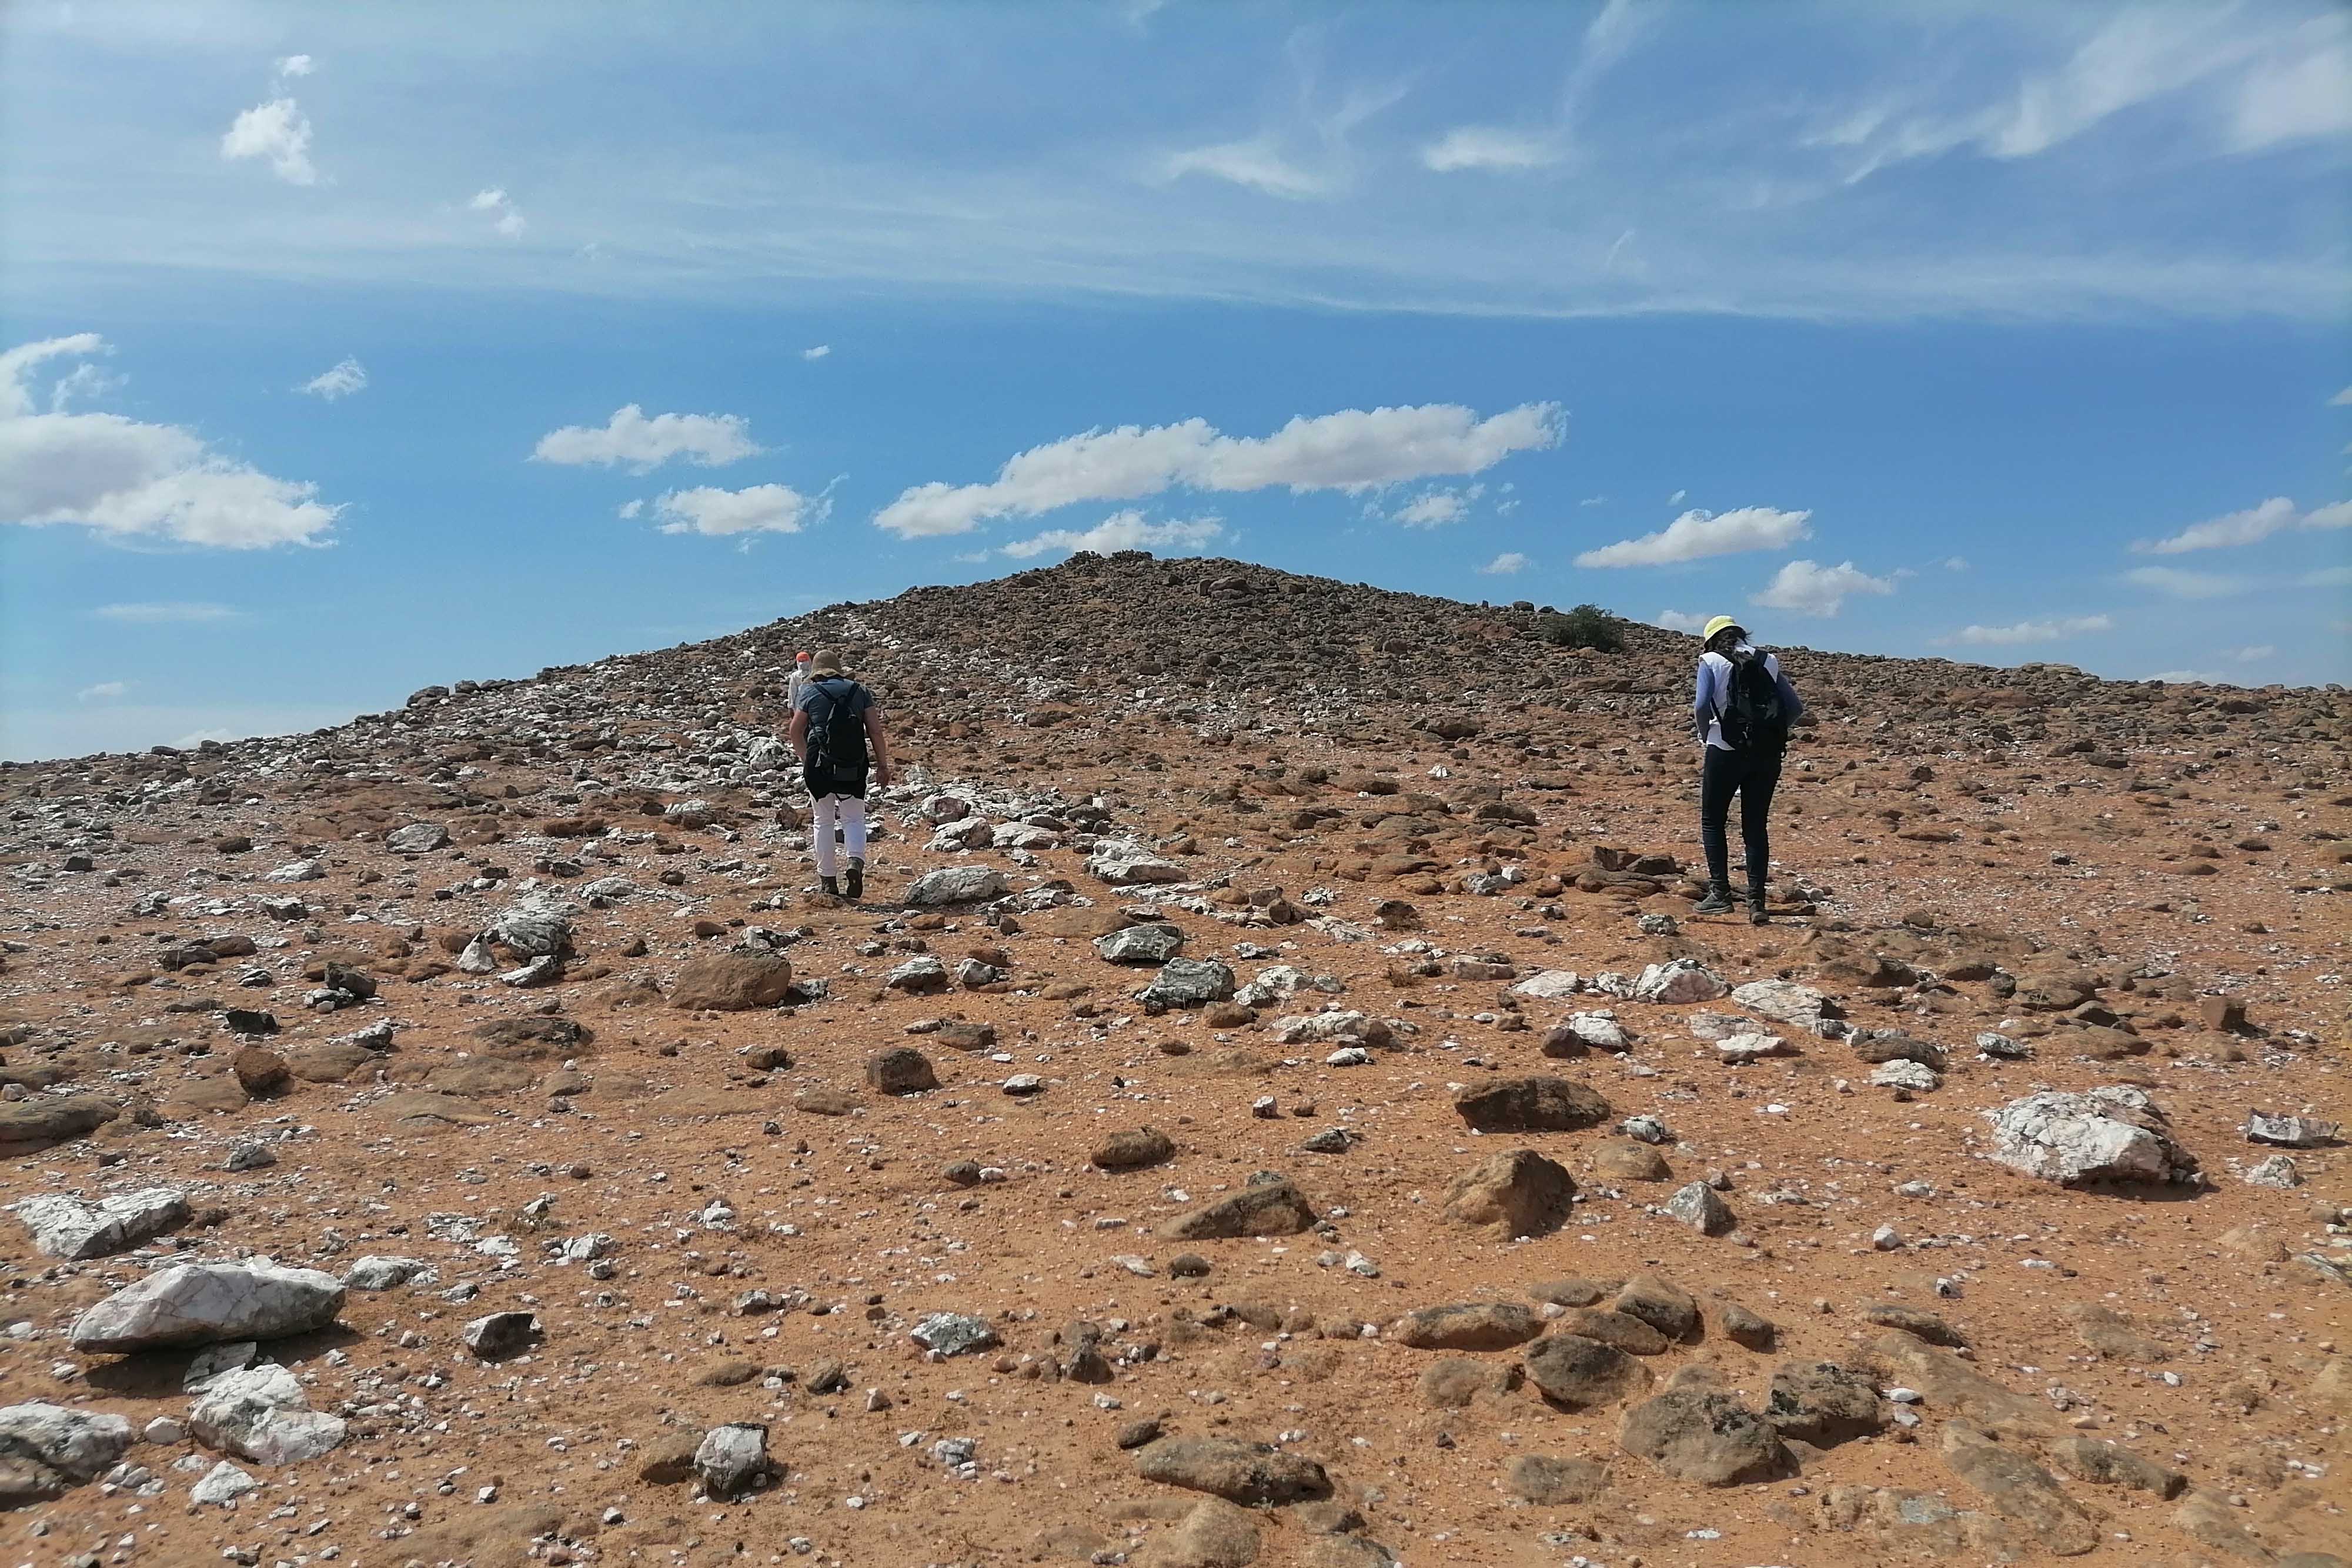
{"points": [[1586, 626]]}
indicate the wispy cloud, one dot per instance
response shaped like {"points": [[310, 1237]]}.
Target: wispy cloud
{"points": [[2249, 527], [1677, 621], [506, 217], [1697, 535], [2255, 655], [2174, 583], [1436, 507], [640, 444], [1490, 147], [818, 351], [1508, 564], [1808, 588], [2027, 632], [1352, 451], [169, 613], [1120, 530], [344, 379], [103, 691]]}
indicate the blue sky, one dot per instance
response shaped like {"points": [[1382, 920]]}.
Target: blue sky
{"points": [[351, 349]]}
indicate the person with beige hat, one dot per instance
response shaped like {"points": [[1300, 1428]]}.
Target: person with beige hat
{"points": [[835, 732], [1742, 711]]}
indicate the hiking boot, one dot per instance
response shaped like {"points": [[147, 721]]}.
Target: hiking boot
{"points": [[828, 887], [1757, 914], [1716, 902], [856, 883]]}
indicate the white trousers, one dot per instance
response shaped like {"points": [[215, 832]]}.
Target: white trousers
{"points": [[851, 811]]}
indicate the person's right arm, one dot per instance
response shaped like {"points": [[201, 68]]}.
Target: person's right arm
{"points": [[881, 745], [1703, 699]]}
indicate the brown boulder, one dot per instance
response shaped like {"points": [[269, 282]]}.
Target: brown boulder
{"points": [[1513, 1194], [731, 982]]}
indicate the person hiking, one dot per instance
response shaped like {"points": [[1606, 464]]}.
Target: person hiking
{"points": [[836, 730], [799, 682], [1742, 712]]}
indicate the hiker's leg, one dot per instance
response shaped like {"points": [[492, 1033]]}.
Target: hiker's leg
{"points": [[853, 826], [820, 832], [1755, 820], [1718, 778]]}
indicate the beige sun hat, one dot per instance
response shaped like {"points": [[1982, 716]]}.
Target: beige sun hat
{"points": [[826, 663]]}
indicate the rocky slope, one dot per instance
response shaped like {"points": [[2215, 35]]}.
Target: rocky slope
{"points": [[1273, 1106]]}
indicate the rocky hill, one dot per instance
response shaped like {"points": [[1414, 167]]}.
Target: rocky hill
{"points": [[1273, 1106]]}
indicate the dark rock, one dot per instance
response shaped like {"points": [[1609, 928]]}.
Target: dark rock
{"points": [[1530, 1105]]}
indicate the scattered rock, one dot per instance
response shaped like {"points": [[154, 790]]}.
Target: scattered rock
{"points": [[733, 1460], [731, 982], [901, 1070], [1133, 1150], [1254, 1475], [203, 1303], [1703, 1436], [1530, 1105], [1467, 1325], [500, 1335], [261, 1414], [2114, 1133], [1577, 1373], [1513, 1194], [1276, 1208], [1697, 1207], [1141, 945], [72, 1228], [1553, 1482], [2020, 1490]]}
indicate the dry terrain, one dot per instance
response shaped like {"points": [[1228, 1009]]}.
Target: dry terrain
{"points": [[1272, 1104]]}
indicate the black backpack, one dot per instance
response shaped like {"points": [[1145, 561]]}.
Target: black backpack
{"points": [[836, 743], [1750, 711]]}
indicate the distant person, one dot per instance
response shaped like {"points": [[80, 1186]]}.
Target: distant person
{"points": [[1742, 712], [836, 730], [799, 682]]}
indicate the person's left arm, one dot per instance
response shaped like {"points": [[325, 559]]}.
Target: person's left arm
{"points": [[797, 733]]}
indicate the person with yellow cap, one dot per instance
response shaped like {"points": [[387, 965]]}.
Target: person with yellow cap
{"points": [[1742, 712]]}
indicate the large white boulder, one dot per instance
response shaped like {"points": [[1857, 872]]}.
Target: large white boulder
{"points": [[1683, 980], [204, 1303], [64, 1227], [956, 884], [2113, 1134], [261, 1414]]}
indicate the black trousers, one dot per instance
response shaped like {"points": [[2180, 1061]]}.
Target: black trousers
{"points": [[1752, 776]]}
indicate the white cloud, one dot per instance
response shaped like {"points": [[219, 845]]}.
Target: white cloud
{"points": [[509, 221], [1955, 563], [1489, 147], [296, 66], [2027, 632], [2301, 92], [1256, 164], [2178, 584], [346, 378], [2190, 677], [817, 353], [1699, 534], [1120, 530], [2342, 399], [2328, 577], [1436, 507], [2253, 656], [1352, 451], [1808, 588], [1594, 501], [1505, 564], [104, 689], [760, 508], [1676, 498], [632, 509], [709, 440], [173, 612], [127, 478], [278, 131], [1675, 621], [2233, 529]]}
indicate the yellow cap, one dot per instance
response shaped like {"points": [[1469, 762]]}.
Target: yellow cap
{"points": [[1718, 625]]}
